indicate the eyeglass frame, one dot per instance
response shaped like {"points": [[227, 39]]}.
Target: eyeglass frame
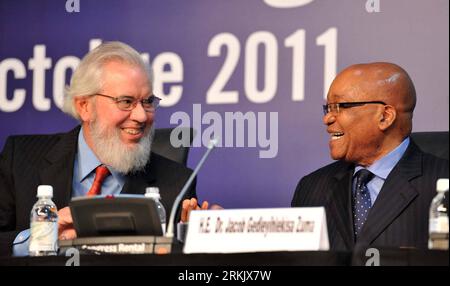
{"points": [[344, 105], [134, 101]]}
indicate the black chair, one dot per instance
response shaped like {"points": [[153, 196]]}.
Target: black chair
{"points": [[161, 144], [435, 143]]}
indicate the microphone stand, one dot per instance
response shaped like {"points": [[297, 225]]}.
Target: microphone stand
{"points": [[170, 232]]}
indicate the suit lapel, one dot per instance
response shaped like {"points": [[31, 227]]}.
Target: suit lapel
{"points": [[395, 195], [57, 168], [136, 183], [340, 205]]}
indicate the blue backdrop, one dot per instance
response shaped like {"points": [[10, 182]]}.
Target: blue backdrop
{"points": [[228, 56]]}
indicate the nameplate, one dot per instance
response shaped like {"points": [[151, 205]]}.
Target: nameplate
{"points": [[253, 230], [118, 245]]}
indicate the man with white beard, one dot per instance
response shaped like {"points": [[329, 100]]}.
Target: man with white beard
{"points": [[110, 93]]}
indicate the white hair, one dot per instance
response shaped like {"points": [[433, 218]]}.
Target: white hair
{"points": [[87, 78]]}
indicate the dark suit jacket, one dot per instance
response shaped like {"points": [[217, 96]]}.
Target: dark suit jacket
{"points": [[399, 216], [31, 160]]}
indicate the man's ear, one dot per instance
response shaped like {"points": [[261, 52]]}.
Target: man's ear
{"points": [[388, 117], [84, 106]]}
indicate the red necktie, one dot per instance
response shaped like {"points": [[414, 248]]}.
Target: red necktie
{"points": [[101, 172]]}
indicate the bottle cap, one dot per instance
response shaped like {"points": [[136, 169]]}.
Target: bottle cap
{"points": [[442, 185], [152, 192], [44, 191]]}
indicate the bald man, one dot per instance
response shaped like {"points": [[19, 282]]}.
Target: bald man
{"points": [[379, 191]]}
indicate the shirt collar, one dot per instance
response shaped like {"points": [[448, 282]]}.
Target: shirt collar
{"points": [[382, 167], [88, 161]]}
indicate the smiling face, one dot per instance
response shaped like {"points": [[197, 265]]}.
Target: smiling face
{"points": [[120, 139], [355, 131], [121, 79]]}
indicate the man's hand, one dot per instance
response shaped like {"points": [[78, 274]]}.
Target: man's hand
{"points": [[189, 205], [65, 225]]}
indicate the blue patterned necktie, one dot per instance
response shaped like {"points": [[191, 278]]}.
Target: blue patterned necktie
{"points": [[361, 200]]}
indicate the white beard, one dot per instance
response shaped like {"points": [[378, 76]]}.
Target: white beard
{"points": [[113, 153]]}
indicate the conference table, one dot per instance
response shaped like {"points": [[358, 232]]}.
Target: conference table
{"points": [[387, 257]]}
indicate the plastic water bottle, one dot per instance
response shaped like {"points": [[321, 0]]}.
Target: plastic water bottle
{"points": [[438, 226], [153, 193], [44, 224]]}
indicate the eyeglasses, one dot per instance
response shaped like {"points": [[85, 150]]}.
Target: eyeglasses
{"points": [[128, 103], [335, 107]]}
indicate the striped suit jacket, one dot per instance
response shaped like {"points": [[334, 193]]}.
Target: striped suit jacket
{"points": [[399, 216], [31, 160]]}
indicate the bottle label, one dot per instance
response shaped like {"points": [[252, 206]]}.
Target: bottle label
{"points": [[439, 224], [44, 236]]}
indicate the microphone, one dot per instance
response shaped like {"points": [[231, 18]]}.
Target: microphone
{"points": [[169, 233]]}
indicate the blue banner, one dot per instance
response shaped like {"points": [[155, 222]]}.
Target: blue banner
{"points": [[254, 72]]}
